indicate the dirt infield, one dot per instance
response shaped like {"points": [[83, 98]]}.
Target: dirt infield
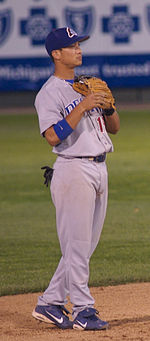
{"points": [[126, 307]]}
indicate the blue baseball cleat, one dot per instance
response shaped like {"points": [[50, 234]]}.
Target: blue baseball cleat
{"points": [[53, 314], [87, 320]]}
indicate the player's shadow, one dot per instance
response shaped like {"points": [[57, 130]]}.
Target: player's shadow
{"points": [[125, 321]]}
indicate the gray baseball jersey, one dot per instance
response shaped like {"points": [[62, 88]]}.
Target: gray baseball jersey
{"points": [[55, 101]]}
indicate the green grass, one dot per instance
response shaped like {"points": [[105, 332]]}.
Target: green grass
{"points": [[29, 247]]}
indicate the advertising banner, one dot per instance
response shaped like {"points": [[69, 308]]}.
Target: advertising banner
{"points": [[118, 50]]}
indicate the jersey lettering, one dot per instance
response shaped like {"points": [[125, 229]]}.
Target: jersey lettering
{"points": [[69, 108], [72, 105]]}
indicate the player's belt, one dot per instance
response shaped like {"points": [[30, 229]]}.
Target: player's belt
{"points": [[99, 158]]}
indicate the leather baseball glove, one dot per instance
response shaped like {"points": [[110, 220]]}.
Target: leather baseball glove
{"points": [[86, 84]]}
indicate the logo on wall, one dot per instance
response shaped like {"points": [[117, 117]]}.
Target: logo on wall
{"points": [[80, 19], [5, 24], [121, 24], [37, 26]]}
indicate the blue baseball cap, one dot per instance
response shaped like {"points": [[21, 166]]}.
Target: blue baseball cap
{"points": [[62, 37]]}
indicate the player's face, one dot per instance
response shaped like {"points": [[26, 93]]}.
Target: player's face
{"points": [[71, 55]]}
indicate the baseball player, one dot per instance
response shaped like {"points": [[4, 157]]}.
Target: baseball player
{"points": [[78, 131]]}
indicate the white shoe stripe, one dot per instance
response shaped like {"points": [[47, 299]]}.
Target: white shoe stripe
{"points": [[81, 324], [55, 318]]}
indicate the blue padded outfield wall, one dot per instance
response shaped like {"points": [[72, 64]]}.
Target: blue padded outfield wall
{"points": [[118, 50]]}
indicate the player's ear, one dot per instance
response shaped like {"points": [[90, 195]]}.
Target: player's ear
{"points": [[56, 54]]}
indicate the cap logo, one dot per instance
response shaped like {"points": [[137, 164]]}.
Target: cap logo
{"points": [[71, 33]]}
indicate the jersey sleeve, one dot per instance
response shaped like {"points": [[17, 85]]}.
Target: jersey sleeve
{"points": [[48, 108]]}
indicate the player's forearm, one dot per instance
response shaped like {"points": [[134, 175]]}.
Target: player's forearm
{"points": [[72, 120], [112, 123], [51, 137], [76, 114]]}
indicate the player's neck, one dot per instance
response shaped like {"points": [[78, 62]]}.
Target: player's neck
{"points": [[64, 73]]}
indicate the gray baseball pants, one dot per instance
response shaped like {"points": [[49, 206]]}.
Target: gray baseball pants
{"points": [[79, 190]]}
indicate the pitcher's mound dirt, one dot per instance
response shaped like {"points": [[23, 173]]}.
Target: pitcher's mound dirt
{"points": [[126, 307]]}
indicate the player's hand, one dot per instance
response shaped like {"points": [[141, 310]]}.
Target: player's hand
{"points": [[92, 100]]}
